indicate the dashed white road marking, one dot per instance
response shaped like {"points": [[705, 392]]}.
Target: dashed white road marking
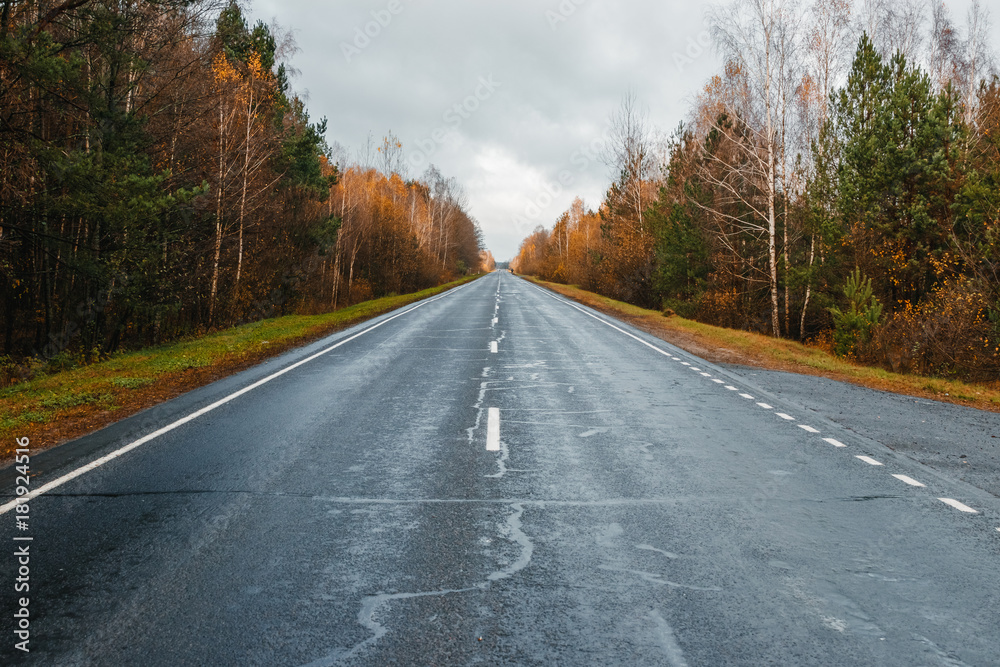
{"points": [[495, 320], [708, 375], [787, 417], [97, 463], [747, 396], [961, 507], [493, 430], [908, 480], [493, 346], [494, 416], [869, 460], [693, 368]]}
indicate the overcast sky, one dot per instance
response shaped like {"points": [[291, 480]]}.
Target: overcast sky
{"points": [[534, 80]]}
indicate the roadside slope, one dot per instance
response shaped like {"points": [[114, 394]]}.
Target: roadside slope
{"points": [[743, 348]]}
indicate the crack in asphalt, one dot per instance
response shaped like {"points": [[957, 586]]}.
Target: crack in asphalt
{"points": [[515, 534], [371, 604], [658, 579], [501, 462]]}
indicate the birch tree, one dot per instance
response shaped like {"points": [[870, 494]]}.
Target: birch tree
{"points": [[749, 35]]}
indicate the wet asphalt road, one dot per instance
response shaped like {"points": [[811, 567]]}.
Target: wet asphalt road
{"points": [[638, 512]]}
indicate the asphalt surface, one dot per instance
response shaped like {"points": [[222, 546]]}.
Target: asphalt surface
{"points": [[348, 511], [961, 442]]}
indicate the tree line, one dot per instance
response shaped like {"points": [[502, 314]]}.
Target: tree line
{"points": [[159, 177], [837, 182]]}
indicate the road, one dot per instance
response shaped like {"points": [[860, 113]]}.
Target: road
{"points": [[641, 507]]}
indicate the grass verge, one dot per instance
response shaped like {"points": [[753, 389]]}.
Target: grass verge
{"points": [[733, 346], [58, 407]]}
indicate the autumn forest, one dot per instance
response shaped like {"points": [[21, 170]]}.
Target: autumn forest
{"points": [[159, 178], [838, 182]]}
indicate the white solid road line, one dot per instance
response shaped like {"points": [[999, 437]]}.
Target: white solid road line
{"points": [[493, 346], [869, 460], [835, 443], [961, 507], [97, 463], [493, 430], [810, 429], [605, 322], [908, 480]]}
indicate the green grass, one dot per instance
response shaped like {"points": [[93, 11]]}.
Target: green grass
{"points": [[108, 386], [132, 383], [789, 355]]}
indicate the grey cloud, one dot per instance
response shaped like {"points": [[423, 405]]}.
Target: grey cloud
{"points": [[558, 87]]}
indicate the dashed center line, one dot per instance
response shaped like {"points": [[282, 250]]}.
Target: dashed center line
{"points": [[835, 443], [493, 430], [908, 480], [685, 363], [718, 381], [785, 417], [810, 429], [493, 346], [708, 375], [869, 460], [765, 406], [747, 396], [731, 387], [961, 507]]}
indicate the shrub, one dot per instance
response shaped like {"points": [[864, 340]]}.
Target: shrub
{"points": [[951, 333], [852, 328]]}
